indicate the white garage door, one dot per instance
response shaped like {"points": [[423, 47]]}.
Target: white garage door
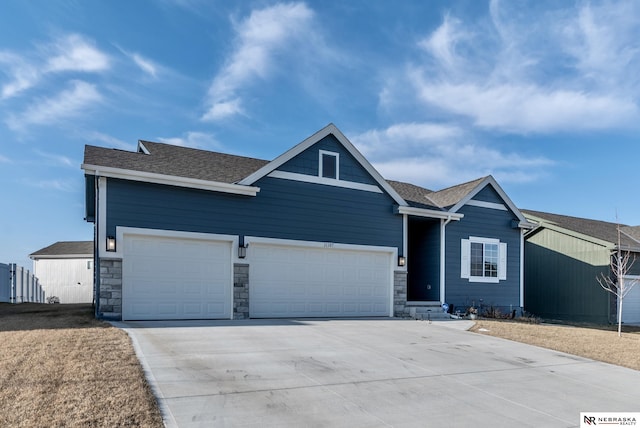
{"points": [[175, 278], [295, 281], [631, 302]]}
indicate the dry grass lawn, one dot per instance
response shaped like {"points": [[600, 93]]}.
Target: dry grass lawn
{"points": [[596, 342], [59, 367]]}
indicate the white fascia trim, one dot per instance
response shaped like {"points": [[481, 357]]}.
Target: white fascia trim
{"points": [[142, 147], [323, 180], [327, 130], [484, 204], [62, 256], [121, 231], [150, 177], [422, 212], [527, 225]]}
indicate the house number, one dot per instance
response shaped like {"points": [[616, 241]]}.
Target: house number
{"points": [[328, 245]]}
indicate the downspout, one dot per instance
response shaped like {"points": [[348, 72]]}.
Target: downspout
{"points": [[443, 224]]}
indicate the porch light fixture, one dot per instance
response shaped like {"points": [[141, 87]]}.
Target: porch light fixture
{"points": [[111, 243], [402, 261], [242, 251]]}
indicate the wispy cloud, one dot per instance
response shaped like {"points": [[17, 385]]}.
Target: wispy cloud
{"points": [[504, 76], [22, 74], [76, 53], [71, 53], [437, 156], [194, 139], [258, 38], [4, 159], [148, 66], [66, 104]]}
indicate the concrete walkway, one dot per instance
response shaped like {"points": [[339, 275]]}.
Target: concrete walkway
{"points": [[368, 373]]}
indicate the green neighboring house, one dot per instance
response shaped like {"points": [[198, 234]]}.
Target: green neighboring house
{"points": [[564, 256]]}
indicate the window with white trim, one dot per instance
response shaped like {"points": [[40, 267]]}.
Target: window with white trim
{"points": [[483, 259], [329, 164]]}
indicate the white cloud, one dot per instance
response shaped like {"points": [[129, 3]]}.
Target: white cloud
{"points": [[4, 159], [23, 75], [560, 70], [437, 156], [76, 53], [67, 104], [258, 38], [145, 64], [66, 54], [193, 139]]}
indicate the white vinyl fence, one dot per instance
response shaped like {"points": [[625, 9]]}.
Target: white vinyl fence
{"points": [[18, 285]]}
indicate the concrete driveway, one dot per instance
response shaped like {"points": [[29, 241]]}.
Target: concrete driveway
{"points": [[368, 373]]}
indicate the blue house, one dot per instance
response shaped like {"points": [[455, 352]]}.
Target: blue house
{"points": [[317, 232]]}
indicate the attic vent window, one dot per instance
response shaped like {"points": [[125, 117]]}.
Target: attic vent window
{"points": [[329, 164]]}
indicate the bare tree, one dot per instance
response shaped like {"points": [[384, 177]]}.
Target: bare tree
{"points": [[620, 266]]}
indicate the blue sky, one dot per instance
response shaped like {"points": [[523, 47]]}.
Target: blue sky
{"points": [[543, 95]]}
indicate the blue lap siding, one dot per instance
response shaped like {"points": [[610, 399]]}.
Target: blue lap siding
{"points": [[282, 209], [485, 223]]}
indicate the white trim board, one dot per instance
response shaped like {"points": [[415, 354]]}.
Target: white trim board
{"points": [[484, 204], [325, 181]]}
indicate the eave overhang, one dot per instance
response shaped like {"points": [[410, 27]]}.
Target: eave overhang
{"points": [[423, 212], [149, 177]]}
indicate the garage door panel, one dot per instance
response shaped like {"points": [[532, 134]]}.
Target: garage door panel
{"points": [[176, 278], [318, 282]]}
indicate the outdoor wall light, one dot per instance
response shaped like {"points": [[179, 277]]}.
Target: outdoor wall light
{"points": [[242, 251], [402, 261], [111, 243]]}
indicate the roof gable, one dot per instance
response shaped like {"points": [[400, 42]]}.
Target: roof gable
{"points": [[458, 196], [311, 141], [65, 249]]}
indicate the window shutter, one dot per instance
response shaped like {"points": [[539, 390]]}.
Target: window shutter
{"points": [[465, 253], [502, 261]]}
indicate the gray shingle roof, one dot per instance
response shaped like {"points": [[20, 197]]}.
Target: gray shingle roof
{"points": [[605, 231], [452, 195], [65, 248], [176, 161], [632, 231], [416, 196], [442, 199]]}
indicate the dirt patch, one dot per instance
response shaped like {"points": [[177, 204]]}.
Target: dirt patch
{"points": [[62, 368], [595, 342]]}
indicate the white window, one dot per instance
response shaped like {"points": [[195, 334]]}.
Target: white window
{"points": [[329, 164], [483, 259]]}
